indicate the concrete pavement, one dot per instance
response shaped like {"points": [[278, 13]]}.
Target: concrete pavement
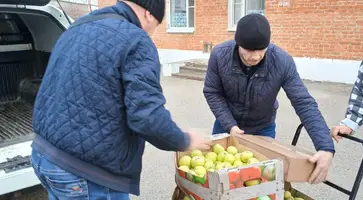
{"points": [[189, 109]]}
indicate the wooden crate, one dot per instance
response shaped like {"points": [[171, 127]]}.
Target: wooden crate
{"points": [[228, 183]]}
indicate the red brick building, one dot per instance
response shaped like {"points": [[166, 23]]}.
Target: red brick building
{"points": [[305, 28]]}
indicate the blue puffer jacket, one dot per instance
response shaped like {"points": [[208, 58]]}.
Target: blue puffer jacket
{"points": [[101, 99], [252, 104]]}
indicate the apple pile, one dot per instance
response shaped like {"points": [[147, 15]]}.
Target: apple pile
{"points": [[199, 163], [288, 196]]}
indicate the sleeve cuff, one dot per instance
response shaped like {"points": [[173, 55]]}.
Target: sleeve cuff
{"points": [[351, 124], [229, 127], [328, 150], [186, 143]]}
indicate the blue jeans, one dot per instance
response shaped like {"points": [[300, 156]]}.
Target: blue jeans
{"points": [[269, 131], [62, 185]]}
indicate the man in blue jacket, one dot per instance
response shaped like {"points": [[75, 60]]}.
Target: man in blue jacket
{"points": [[99, 101], [243, 80]]}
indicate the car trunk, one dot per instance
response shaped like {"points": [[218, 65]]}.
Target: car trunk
{"points": [[26, 40]]}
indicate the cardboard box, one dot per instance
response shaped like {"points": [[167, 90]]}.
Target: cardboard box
{"points": [[178, 193], [229, 183], [296, 160]]}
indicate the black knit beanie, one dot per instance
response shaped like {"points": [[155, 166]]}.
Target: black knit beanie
{"points": [[253, 32], [155, 7]]}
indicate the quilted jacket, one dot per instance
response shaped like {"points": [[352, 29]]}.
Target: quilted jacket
{"points": [[100, 100], [252, 104]]}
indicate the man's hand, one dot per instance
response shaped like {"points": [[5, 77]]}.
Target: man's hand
{"points": [[340, 129], [236, 132], [198, 142], [323, 161]]}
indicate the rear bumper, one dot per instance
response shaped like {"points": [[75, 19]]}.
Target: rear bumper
{"points": [[17, 180]]}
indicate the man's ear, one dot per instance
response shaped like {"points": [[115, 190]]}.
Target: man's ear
{"points": [[148, 16]]}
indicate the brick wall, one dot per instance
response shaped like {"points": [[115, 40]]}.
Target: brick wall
{"points": [[319, 28], [305, 28]]}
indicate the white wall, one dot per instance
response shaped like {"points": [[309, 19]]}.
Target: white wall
{"points": [[330, 70]]}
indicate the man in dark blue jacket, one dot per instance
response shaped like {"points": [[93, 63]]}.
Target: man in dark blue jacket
{"points": [[99, 101], [243, 80]]}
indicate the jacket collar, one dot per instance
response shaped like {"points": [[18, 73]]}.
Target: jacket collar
{"points": [[123, 9]]}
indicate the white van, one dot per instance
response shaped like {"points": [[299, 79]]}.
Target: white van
{"points": [[29, 30]]}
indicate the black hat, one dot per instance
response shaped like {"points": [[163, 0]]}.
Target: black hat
{"points": [[155, 7], [253, 32]]}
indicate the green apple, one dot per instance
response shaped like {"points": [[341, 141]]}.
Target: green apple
{"points": [[185, 161], [227, 165], [269, 172], [246, 155], [229, 158], [186, 198], [252, 161], [184, 168], [196, 153], [287, 194], [232, 150], [221, 156], [238, 156], [237, 163], [264, 198], [211, 156], [200, 170], [217, 148], [197, 161], [209, 165]]}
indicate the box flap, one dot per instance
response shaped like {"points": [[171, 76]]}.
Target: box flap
{"points": [[275, 146]]}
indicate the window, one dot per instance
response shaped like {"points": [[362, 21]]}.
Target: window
{"points": [[181, 18], [240, 8]]}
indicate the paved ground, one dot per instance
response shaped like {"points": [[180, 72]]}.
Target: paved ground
{"points": [[189, 109]]}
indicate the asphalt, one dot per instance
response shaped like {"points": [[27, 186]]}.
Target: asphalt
{"points": [[189, 109]]}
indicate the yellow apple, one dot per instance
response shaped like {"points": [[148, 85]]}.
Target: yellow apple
{"points": [[227, 165], [211, 156], [252, 161], [232, 150], [217, 148], [221, 156], [237, 163], [209, 165], [185, 161], [184, 168], [186, 198], [197, 161], [229, 158], [196, 153], [287, 194], [246, 155], [200, 171], [252, 182], [238, 156]]}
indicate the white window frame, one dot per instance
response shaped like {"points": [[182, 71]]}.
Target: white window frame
{"points": [[180, 29], [231, 26]]}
